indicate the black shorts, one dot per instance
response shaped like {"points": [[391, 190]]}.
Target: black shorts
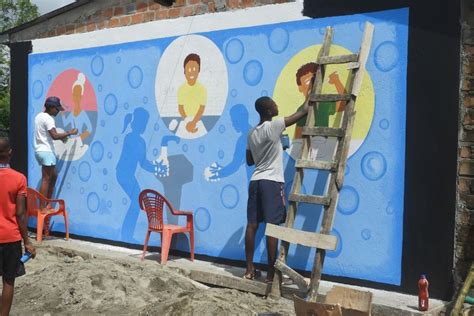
{"points": [[10, 255], [266, 202]]}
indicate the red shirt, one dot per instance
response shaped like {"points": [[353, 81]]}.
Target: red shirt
{"points": [[12, 183]]}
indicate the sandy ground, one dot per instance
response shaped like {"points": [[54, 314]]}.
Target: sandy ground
{"points": [[69, 281]]}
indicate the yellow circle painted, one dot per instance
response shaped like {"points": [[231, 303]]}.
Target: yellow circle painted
{"points": [[289, 98]]}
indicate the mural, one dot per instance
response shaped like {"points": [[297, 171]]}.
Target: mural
{"points": [[173, 113]]}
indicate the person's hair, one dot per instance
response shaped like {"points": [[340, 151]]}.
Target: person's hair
{"points": [[305, 69], [262, 104], [4, 148], [192, 57]]}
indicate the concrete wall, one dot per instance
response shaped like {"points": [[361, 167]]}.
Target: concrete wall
{"points": [[464, 237]]}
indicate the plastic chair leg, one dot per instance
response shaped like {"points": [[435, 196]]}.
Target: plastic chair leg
{"points": [[146, 244], [191, 244], [39, 228], [165, 245], [66, 225]]}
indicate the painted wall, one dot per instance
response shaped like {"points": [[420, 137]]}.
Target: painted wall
{"points": [[134, 135]]}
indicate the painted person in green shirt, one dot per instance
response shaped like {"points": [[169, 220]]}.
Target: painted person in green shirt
{"points": [[304, 79]]}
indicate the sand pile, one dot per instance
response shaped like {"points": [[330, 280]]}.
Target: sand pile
{"points": [[68, 281]]}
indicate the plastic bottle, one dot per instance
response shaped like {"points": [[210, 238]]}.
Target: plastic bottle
{"points": [[423, 296], [26, 256]]}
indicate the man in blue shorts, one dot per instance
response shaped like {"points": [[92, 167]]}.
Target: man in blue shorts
{"points": [[266, 202], [45, 133]]}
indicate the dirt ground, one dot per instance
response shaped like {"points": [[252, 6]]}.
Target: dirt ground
{"points": [[69, 281]]}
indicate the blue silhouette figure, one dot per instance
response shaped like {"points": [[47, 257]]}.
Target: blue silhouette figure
{"points": [[133, 154], [240, 121]]}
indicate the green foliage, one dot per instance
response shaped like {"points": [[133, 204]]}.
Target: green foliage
{"points": [[12, 13]]}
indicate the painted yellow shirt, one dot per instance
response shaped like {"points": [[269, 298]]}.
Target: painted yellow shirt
{"points": [[192, 97]]}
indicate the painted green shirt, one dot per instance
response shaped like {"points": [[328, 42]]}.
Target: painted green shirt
{"points": [[321, 115]]}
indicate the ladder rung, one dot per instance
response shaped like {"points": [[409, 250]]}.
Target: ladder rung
{"points": [[308, 239], [314, 199], [315, 164], [341, 59], [323, 131], [329, 97], [295, 276]]}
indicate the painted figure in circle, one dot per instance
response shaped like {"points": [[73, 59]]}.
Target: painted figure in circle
{"points": [[192, 99], [133, 155]]}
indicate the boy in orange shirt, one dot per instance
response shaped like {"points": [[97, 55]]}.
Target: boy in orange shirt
{"points": [[13, 221]]}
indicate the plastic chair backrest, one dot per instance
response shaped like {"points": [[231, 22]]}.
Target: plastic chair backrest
{"points": [[152, 203], [33, 198]]}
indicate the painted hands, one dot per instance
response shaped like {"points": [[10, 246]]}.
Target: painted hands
{"points": [[162, 165], [211, 173], [334, 78], [191, 127]]}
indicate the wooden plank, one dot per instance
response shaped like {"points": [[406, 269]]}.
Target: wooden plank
{"points": [[352, 301], [295, 236], [363, 56], [315, 164], [351, 66], [305, 308], [340, 59], [313, 199], [295, 276], [329, 97], [233, 282], [323, 131]]}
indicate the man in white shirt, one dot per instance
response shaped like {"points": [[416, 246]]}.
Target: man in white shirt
{"points": [[266, 201], [45, 133]]}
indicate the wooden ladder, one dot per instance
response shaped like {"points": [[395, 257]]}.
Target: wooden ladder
{"points": [[323, 240]]}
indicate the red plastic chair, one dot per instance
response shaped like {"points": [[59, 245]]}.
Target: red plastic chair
{"points": [[35, 205], [152, 203]]}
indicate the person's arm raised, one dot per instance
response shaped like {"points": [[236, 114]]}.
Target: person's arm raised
{"points": [[299, 114]]}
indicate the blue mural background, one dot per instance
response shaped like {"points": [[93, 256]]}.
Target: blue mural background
{"points": [[369, 219]]}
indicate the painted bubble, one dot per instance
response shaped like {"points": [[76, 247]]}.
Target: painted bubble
{"points": [[156, 127], [264, 93], [145, 100], [73, 170], [230, 196], [68, 185], [97, 65], [37, 89], [84, 171], [339, 246], [81, 190], [220, 154], [155, 151], [253, 72], [384, 124], [125, 106], [386, 56], [135, 77], [234, 51], [110, 104], [109, 155], [93, 202], [202, 149], [278, 40], [116, 140], [124, 201], [233, 92], [373, 165], [50, 77], [102, 123], [222, 129], [348, 200], [105, 187], [109, 203], [118, 60], [104, 171], [390, 210], [185, 147], [97, 151], [202, 219], [365, 234], [99, 87]]}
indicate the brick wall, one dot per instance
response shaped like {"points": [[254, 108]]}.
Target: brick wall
{"points": [[464, 237], [99, 14]]}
